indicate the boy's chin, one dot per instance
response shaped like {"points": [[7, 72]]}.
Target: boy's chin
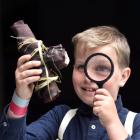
{"points": [[88, 102]]}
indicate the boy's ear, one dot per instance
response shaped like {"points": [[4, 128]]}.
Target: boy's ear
{"points": [[125, 75]]}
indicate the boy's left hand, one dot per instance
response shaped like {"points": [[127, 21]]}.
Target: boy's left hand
{"points": [[104, 107]]}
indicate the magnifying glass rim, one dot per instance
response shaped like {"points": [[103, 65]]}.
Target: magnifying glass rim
{"points": [[85, 67]]}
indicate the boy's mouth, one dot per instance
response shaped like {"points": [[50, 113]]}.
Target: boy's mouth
{"points": [[89, 90]]}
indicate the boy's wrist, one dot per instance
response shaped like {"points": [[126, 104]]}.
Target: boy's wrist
{"points": [[11, 114], [113, 133], [17, 110], [18, 106], [19, 101]]}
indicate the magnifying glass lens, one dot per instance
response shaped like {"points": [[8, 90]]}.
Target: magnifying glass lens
{"points": [[98, 68]]}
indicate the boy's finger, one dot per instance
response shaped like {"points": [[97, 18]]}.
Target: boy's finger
{"points": [[29, 65], [28, 73], [23, 59], [102, 92]]}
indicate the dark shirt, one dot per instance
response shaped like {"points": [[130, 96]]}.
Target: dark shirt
{"points": [[83, 126]]}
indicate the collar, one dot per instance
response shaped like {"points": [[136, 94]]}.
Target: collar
{"points": [[86, 110]]}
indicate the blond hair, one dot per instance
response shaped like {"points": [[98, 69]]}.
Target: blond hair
{"points": [[101, 36]]}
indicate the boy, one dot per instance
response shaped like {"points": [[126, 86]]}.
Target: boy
{"points": [[101, 115]]}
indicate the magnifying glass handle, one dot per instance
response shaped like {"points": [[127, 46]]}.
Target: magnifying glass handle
{"points": [[100, 84]]}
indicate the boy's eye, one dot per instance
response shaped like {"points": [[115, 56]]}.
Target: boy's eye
{"points": [[100, 70], [103, 69], [80, 67]]}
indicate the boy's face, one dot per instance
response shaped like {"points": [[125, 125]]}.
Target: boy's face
{"points": [[84, 88]]}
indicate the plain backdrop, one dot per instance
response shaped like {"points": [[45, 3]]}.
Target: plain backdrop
{"points": [[56, 22]]}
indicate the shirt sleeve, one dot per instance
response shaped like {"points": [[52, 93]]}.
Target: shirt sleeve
{"points": [[45, 128], [9, 127]]}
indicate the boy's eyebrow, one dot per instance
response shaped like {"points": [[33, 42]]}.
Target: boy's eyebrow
{"points": [[79, 62]]}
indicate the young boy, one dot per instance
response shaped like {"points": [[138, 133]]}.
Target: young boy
{"points": [[101, 115]]}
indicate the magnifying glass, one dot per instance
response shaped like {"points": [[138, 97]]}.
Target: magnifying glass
{"points": [[98, 68]]}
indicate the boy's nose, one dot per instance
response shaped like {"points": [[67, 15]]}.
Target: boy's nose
{"points": [[87, 79], [90, 83]]}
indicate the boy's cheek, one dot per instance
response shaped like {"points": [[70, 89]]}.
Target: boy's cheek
{"points": [[113, 91]]}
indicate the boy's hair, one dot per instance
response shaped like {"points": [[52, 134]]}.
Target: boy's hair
{"points": [[101, 36]]}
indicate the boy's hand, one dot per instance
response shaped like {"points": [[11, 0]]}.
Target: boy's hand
{"points": [[25, 75], [104, 107]]}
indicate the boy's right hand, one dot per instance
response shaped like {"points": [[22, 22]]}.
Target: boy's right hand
{"points": [[27, 72]]}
